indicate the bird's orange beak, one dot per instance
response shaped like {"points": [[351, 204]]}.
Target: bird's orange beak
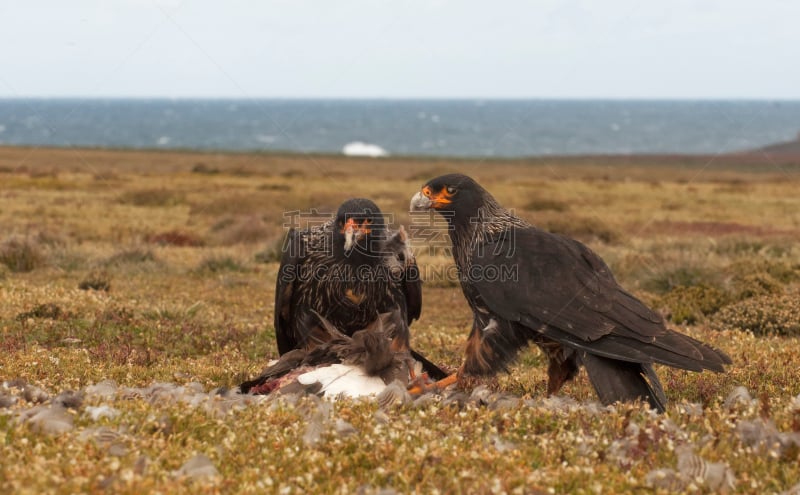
{"points": [[427, 198], [354, 231], [440, 198]]}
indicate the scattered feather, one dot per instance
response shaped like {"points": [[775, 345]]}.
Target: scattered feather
{"points": [[162, 393], [318, 414], [117, 450], [739, 398], [141, 464], [795, 490], [198, 468], [314, 430], [370, 490], [716, 476], [102, 436], [222, 391], [344, 429], [107, 482], [756, 433], [161, 424], [665, 479], [220, 405], [555, 403], [34, 394], [480, 395], [502, 402], [69, 399], [7, 401], [381, 417], [394, 394], [690, 409], [622, 451], [106, 389], [15, 383], [502, 445], [313, 406], [669, 426], [585, 445], [425, 400], [455, 398], [595, 408], [794, 404], [763, 436], [103, 411], [106, 438], [195, 387], [52, 420]]}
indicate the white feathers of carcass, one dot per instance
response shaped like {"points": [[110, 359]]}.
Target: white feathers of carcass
{"points": [[343, 380]]}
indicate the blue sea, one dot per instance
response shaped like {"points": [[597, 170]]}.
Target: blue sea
{"points": [[469, 128]]}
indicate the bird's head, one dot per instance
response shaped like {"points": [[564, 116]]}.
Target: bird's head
{"points": [[360, 227], [452, 195]]}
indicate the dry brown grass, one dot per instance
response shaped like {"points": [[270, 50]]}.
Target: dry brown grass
{"points": [[711, 243]]}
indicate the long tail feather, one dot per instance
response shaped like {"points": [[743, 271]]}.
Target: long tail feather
{"points": [[622, 381], [286, 363], [433, 371]]}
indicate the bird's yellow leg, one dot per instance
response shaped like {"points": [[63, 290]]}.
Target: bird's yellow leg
{"points": [[420, 388]]}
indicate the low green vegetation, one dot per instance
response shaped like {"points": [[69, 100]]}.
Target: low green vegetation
{"points": [[158, 268]]}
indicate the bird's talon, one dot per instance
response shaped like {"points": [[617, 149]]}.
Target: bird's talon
{"points": [[424, 387]]}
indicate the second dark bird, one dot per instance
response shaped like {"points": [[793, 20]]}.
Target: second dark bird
{"points": [[526, 285], [348, 270]]}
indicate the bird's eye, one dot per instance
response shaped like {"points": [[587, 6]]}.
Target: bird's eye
{"points": [[450, 190]]}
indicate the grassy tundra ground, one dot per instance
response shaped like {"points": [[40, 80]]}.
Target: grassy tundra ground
{"points": [[143, 267]]}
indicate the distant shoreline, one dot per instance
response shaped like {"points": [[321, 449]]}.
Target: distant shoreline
{"points": [[393, 99], [55, 160], [784, 148], [789, 148]]}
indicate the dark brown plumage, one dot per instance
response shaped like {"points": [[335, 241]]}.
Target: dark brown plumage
{"points": [[348, 270], [526, 285]]}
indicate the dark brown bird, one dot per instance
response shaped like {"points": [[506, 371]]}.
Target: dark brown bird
{"points": [[527, 285], [348, 271], [360, 364]]}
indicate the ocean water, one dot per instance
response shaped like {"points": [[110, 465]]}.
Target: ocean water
{"points": [[471, 128]]}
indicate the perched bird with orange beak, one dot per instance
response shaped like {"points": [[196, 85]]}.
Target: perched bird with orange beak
{"points": [[347, 271], [525, 285]]}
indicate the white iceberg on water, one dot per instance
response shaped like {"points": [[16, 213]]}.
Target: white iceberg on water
{"points": [[358, 148]]}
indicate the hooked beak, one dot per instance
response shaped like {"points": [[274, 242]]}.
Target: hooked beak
{"points": [[348, 237], [420, 202], [353, 233]]}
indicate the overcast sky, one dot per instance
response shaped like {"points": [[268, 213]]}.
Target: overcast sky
{"points": [[401, 49]]}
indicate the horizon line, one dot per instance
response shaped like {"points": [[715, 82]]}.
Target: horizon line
{"points": [[410, 98]]}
